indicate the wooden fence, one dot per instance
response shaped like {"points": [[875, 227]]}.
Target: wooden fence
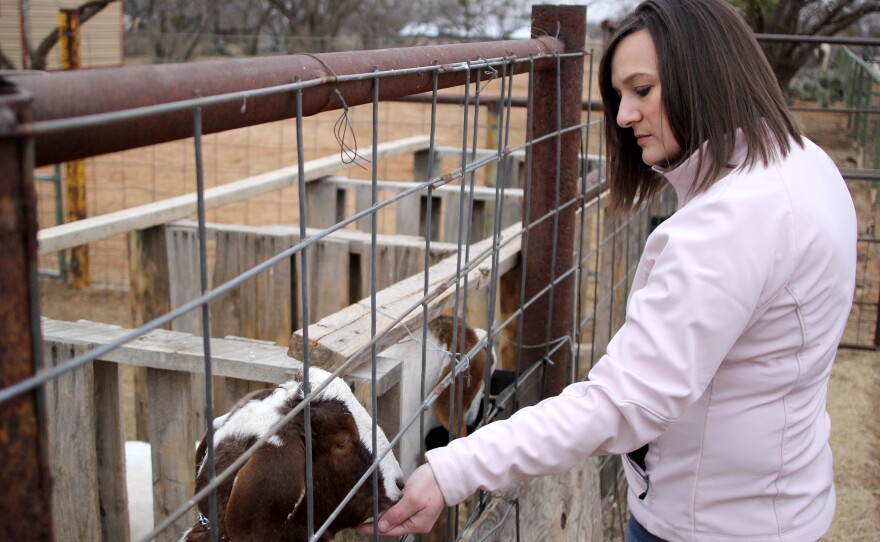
{"points": [[256, 320]]}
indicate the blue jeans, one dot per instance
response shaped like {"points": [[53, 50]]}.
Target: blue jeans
{"points": [[635, 532]]}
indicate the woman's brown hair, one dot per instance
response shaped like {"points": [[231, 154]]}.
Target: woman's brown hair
{"points": [[714, 80]]}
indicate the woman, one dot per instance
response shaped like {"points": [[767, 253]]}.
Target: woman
{"points": [[715, 386]]}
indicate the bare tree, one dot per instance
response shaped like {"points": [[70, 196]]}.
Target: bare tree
{"points": [[39, 55], [802, 17], [314, 24], [479, 18], [173, 28]]}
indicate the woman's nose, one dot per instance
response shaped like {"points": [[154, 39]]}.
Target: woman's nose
{"points": [[627, 114]]}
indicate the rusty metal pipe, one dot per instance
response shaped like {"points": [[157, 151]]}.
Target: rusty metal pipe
{"points": [[25, 476], [554, 166], [90, 92]]}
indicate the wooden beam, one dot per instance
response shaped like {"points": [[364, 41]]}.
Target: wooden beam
{"points": [[338, 337], [481, 193], [411, 241], [99, 227], [233, 357]]}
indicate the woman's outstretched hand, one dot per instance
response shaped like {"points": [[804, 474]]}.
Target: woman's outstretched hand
{"points": [[417, 511]]}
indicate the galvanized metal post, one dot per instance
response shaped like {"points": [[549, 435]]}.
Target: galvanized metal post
{"points": [[25, 498], [557, 105], [68, 33]]}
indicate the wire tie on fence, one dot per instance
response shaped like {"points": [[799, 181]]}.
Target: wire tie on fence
{"points": [[445, 179], [490, 71], [347, 154], [244, 104]]}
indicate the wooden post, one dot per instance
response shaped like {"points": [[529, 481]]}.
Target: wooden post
{"points": [[150, 298], [71, 416], [326, 204], [173, 447], [68, 32], [109, 443], [423, 169]]}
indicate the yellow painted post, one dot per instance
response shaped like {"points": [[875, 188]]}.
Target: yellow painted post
{"points": [[78, 272]]}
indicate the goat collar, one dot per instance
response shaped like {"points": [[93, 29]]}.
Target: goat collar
{"points": [[206, 523]]}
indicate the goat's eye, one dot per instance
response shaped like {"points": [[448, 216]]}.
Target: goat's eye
{"points": [[342, 444]]}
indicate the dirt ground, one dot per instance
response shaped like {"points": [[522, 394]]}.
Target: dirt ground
{"points": [[854, 392]]}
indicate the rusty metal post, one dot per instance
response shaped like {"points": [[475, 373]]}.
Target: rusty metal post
{"points": [[25, 497], [68, 33], [554, 163]]}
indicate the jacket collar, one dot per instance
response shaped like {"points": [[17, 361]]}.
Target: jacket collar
{"points": [[683, 177]]}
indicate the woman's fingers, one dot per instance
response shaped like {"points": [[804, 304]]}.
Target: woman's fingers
{"points": [[416, 512]]}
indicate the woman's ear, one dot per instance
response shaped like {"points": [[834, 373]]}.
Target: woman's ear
{"points": [[266, 490]]}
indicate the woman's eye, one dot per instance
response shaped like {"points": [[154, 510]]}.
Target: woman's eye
{"points": [[643, 91]]}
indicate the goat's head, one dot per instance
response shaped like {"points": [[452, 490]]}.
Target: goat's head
{"points": [[469, 387], [265, 498]]}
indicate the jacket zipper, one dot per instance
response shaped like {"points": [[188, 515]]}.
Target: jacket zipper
{"points": [[643, 475]]}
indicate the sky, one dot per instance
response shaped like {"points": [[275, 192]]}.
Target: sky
{"points": [[597, 10]]}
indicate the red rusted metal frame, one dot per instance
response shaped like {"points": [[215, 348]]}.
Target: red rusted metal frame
{"points": [[568, 24], [25, 497], [72, 94]]}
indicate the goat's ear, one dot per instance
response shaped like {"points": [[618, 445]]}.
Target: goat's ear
{"points": [[471, 385], [267, 489], [200, 452]]}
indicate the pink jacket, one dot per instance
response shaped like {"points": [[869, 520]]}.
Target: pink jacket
{"points": [[737, 307]]}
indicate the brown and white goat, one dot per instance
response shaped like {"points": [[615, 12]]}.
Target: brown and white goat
{"points": [[263, 500]]}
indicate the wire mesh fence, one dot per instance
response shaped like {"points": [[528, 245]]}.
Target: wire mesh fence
{"points": [[309, 251]]}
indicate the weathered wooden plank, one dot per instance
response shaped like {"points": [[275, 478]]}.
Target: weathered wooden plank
{"points": [[423, 168], [363, 199], [452, 218], [386, 258], [279, 230], [436, 204], [72, 453], [185, 284], [408, 261], [329, 269], [343, 335], [481, 193], [144, 216], [110, 449], [324, 207], [226, 310], [557, 508], [234, 357], [250, 303], [275, 316], [173, 448], [483, 153]]}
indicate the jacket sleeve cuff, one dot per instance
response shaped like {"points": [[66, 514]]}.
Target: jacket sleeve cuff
{"points": [[449, 475]]}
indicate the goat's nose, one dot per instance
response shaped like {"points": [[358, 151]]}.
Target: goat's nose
{"points": [[400, 483]]}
